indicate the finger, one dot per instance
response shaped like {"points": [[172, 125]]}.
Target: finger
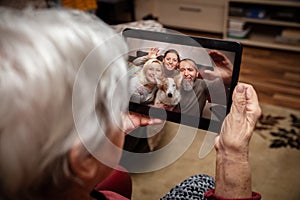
{"points": [[251, 98], [251, 95], [133, 120], [238, 107], [252, 104], [155, 50], [217, 143], [253, 108], [155, 121], [217, 56], [128, 124], [146, 120]]}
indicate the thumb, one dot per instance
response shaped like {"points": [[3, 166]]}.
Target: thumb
{"points": [[217, 143], [239, 102], [253, 108], [154, 121]]}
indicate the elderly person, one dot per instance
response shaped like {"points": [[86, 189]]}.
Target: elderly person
{"points": [[54, 143], [48, 130]]}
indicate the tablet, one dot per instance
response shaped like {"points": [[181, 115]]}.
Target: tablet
{"points": [[183, 79]]}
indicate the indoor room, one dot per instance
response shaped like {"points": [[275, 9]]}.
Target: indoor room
{"points": [[182, 66], [269, 31]]}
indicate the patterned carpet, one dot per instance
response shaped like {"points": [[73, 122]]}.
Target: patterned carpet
{"points": [[281, 129], [283, 137], [274, 155]]}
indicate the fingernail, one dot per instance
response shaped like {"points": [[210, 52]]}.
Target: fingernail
{"points": [[240, 89]]}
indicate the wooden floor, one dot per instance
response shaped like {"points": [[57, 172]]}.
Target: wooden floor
{"points": [[275, 74]]}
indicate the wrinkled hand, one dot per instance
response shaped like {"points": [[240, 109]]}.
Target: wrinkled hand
{"points": [[223, 67], [164, 106], [239, 124], [133, 120], [153, 53]]}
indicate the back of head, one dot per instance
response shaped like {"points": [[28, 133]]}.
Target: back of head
{"points": [[43, 57]]}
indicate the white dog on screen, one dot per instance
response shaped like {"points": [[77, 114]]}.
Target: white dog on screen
{"points": [[168, 92], [167, 97]]}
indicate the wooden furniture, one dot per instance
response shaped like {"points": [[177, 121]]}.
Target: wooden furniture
{"points": [[201, 15], [271, 23]]}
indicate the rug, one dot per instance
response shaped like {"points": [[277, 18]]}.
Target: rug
{"points": [[281, 129], [274, 157]]}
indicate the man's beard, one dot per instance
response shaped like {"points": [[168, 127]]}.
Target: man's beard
{"points": [[187, 85]]}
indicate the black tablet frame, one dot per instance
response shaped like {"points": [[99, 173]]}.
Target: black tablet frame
{"points": [[181, 39]]}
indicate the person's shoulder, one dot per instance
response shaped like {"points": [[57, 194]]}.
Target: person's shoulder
{"points": [[134, 82], [199, 82]]}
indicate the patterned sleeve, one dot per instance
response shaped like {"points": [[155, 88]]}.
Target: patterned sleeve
{"points": [[192, 188]]}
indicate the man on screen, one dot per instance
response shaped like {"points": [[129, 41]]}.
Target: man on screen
{"points": [[195, 91]]}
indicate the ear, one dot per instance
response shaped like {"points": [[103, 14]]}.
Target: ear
{"points": [[178, 80], [83, 164], [198, 74]]}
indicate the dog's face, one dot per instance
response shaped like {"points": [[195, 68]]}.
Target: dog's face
{"points": [[169, 86], [169, 89]]}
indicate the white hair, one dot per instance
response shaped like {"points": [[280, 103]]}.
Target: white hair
{"points": [[41, 53]]}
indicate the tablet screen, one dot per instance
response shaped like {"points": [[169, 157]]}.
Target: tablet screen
{"points": [[183, 79]]}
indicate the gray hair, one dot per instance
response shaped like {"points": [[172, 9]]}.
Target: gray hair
{"points": [[191, 62], [41, 53]]}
